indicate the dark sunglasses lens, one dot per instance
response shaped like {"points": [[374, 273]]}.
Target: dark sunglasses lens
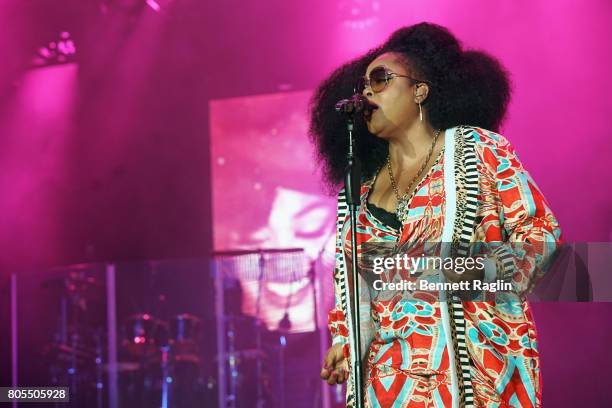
{"points": [[378, 79]]}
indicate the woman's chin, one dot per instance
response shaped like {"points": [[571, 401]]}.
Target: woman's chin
{"points": [[376, 131], [372, 128]]}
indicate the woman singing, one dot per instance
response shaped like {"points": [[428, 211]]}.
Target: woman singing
{"points": [[434, 170]]}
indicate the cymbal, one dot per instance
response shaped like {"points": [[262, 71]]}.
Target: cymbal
{"points": [[237, 252], [67, 351], [122, 367], [248, 354], [187, 358], [75, 283], [241, 318]]}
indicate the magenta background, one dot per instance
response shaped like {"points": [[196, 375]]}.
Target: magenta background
{"points": [[110, 160]]}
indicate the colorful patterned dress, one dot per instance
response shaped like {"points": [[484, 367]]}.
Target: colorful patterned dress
{"points": [[427, 352]]}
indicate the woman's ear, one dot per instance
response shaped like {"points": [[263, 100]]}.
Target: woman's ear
{"points": [[421, 90]]}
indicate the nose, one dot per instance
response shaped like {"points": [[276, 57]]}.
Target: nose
{"points": [[365, 89]]}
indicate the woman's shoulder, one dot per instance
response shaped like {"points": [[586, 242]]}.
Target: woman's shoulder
{"points": [[486, 138], [487, 142], [491, 148]]}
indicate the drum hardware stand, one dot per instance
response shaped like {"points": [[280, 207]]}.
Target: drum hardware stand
{"points": [[283, 327], [157, 304], [281, 370], [99, 379], [73, 301], [166, 378], [258, 323], [233, 369]]}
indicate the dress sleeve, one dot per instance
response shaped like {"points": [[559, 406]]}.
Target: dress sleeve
{"points": [[530, 232], [336, 318]]}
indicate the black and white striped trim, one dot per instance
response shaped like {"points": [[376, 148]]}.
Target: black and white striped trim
{"points": [[465, 233], [471, 187], [341, 280], [504, 257]]}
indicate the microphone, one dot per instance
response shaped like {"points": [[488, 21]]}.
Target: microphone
{"points": [[355, 104]]}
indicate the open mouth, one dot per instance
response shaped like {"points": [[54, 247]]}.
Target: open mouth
{"points": [[369, 111]]}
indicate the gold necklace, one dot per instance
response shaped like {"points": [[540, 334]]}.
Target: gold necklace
{"points": [[402, 200]]}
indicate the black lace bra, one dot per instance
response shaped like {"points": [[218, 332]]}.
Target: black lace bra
{"points": [[384, 216]]}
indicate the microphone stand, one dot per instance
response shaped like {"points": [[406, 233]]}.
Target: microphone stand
{"points": [[352, 187]]}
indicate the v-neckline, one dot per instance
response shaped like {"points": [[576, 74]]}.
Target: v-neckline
{"points": [[370, 187]]}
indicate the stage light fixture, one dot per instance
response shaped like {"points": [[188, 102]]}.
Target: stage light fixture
{"points": [[60, 51]]}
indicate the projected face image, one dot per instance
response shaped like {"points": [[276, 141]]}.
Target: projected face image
{"points": [[296, 219], [267, 191], [267, 194]]}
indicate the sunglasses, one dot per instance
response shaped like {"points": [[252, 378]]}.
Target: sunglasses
{"points": [[379, 78]]}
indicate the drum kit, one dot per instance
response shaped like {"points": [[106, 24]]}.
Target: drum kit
{"points": [[144, 335], [155, 356]]}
